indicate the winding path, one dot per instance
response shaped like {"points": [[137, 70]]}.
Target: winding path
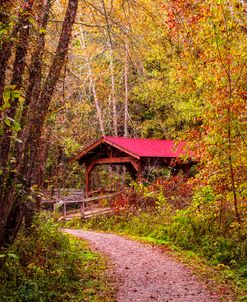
{"points": [[144, 273]]}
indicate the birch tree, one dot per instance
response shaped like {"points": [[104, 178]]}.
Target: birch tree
{"points": [[93, 85]]}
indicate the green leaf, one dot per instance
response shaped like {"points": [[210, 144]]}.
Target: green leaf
{"points": [[32, 21], [7, 122], [42, 30], [16, 126], [14, 256], [6, 95]]}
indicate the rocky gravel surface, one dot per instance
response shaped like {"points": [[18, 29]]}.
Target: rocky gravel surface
{"points": [[145, 274]]}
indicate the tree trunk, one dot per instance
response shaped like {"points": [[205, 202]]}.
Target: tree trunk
{"points": [[126, 86], [30, 167], [17, 77], [38, 117], [13, 223], [35, 73], [31, 97], [34, 80], [7, 45], [113, 82], [113, 95], [92, 86], [18, 69]]}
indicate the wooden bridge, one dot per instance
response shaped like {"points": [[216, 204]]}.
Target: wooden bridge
{"points": [[73, 203]]}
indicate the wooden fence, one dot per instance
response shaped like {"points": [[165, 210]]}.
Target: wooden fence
{"points": [[73, 203]]}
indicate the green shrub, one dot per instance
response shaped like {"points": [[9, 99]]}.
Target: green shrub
{"points": [[50, 266], [194, 231]]}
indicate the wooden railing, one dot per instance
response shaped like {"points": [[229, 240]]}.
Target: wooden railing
{"points": [[88, 206]]}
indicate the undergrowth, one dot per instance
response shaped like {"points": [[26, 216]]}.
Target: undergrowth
{"points": [[51, 266]]}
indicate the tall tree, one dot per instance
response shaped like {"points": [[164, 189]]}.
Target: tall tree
{"points": [[28, 168]]}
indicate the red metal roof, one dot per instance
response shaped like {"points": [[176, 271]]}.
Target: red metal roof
{"points": [[148, 147], [138, 147]]}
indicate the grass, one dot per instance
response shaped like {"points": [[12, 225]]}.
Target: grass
{"points": [[51, 266]]}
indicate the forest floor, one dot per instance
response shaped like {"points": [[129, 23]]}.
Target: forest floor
{"points": [[145, 273]]}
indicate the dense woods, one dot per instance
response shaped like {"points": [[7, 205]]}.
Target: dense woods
{"points": [[72, 71]]}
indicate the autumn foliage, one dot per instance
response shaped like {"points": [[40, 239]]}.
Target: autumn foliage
{"points": [[155, 69]]}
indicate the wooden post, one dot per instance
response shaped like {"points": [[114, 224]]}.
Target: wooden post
{"points": [[139, 171], [87, 182], [64, 209], [89, 169], [82, 208], [131, 170]]}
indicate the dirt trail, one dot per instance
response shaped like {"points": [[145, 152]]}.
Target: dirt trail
{"points": [[144, 273]]}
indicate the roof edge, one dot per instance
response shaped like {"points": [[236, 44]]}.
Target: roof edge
{"points": [[86, 150], [107, 140], [103, 139]]}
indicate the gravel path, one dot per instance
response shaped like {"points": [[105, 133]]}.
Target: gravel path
{"points": [[144, 273]]}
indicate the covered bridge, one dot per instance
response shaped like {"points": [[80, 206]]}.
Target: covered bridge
{"points": [[133, 153]]}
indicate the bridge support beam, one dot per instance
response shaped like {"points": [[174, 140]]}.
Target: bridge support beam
{"points": [[132, 165]]}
